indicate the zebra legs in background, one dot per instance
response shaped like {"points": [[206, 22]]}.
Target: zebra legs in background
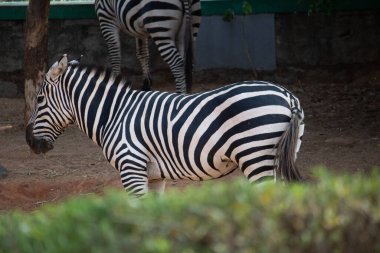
{"points": [[110, 32], [196, 13], [173, 58], [172, 24], [142, 53]]}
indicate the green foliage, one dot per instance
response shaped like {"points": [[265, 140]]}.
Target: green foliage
{"points": [[229, 14], [318, 6], [335, 214], [247, 8]]}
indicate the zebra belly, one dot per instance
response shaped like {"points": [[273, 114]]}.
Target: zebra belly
{"points": [[224, 167], [141, 35]]}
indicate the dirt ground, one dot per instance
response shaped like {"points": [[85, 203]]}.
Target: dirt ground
{"points": [[342, 110]]}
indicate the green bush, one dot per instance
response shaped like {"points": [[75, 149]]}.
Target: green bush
{"points": [[336, 214]]}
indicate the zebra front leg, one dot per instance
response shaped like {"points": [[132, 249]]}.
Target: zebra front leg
{"points": [[135, 181], [156, 183], [156, 186], [142, 53]]}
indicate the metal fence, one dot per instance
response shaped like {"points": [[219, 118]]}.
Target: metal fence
{"points": [[52, 1]]}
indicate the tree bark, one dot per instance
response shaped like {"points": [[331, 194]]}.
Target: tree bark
{"points": [[36, 51]]}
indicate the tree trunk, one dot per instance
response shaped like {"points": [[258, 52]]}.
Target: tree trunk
{"points": [[36, 51]]}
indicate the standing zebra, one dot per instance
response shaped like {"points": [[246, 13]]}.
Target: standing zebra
{"points": [[170, 24], [254, 126]]}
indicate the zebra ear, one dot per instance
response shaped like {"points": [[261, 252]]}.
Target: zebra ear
{"points": [[76, 62], [59, 67]]}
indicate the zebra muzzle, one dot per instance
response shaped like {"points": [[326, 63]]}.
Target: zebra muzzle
{"points": [[37, 144]]}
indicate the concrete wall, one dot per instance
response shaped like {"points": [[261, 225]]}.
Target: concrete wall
{"points": [[252, 35], [339, 39], [11, 45], [261, 41], [246, 42]]}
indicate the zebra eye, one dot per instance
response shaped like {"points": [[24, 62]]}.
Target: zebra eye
{"points": [[40, 99]]}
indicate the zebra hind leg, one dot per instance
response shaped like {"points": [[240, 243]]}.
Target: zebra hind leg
{"points": [[257, 163], [260, 172], [170, 53], [111, 35]]}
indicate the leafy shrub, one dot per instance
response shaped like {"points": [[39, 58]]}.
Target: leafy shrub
{"points": [[336, 214]]}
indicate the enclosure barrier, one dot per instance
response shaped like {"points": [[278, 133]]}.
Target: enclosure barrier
{"points": [[85, 9], [279, 34], [333, 214]]}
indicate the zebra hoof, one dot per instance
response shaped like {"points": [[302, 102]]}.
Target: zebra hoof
{"points": [[145, 88], [146, 84]]}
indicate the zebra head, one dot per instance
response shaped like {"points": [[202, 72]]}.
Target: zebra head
{"points": [[52, 112]]}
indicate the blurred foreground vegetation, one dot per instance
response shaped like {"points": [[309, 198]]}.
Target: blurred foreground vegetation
{"points": [[334, 214]]}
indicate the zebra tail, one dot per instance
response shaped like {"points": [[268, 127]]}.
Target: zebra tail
{"points": [[188, 40], [287, 148]]}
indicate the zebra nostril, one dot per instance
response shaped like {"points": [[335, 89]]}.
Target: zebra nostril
{"points": [[42, 146], [49, 146]]}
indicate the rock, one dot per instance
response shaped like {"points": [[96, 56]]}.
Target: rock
{"points": [[341, 141], [3, 172]]}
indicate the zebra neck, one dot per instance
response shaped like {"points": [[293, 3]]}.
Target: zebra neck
{"points": [[96, 97]]}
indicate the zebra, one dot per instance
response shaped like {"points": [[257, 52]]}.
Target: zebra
{"points": [[151, 137], [170, 23]]}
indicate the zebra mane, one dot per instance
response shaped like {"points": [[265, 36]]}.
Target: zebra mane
{"points": [[119, 79]]}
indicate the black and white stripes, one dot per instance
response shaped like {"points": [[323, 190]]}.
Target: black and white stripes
{"points": [[159, 135], [172, 24]]}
